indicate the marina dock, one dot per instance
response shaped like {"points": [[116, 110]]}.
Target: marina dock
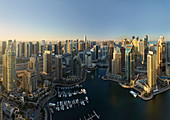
{"points": [[91, 116]]}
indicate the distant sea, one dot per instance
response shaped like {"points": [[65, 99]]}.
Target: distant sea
{"points": [[152, 42]]}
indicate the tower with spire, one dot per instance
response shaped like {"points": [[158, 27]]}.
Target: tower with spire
{"points": [[85, 39]]}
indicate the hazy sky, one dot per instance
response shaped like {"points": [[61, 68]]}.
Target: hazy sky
{"points": [[70, 19]]}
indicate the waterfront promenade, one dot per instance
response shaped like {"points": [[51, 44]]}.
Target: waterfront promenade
{"points": [[72, 84], [46, 101], [124, 83]]}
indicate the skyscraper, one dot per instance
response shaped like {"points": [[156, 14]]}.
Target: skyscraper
{"points": [[27, 50], [30, 51], [31, 75], [111, 50], [92, 54], [82, 56], [116, 61], [43, 42], [59, 48], [96, 49], [14, 45], [37, 49], [29, 82], [103, 51], [58, 67], [168, 58], [135, 43], [80, 46], [76, 44], [34, 63], [47, 62], [88, 59], [85, 39], [86, 45], [143, 50], [129, 62], [69, 47], [23, 49], [152, 48], [19, 52], [49, 47], [83, 45], [9, 70], [151, 70], [42, 47], [3, 47], [74, 52], [122, 49], [168, 51], [76, 66], [56, 49], [161, 57], [65, 46]]}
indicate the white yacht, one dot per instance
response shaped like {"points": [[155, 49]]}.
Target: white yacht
{"points": [[133, 93], [52, 104]]}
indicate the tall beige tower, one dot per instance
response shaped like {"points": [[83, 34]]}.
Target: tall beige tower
{"points": [[151, 70], [135, 43], [9, 70], [29, 83], [34, 63], [69, 47], [161, 57], [116, 61], [33, 68]]}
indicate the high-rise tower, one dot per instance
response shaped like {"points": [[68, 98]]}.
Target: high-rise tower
{"points": [[9, 70], [58, 67], [59, 48], [88, 59], [129, 62], [42, 47], [76, 66], [85, 39], [161, 57], [34, 63], [116, 61], [168, 51], [3, 47], [47, 62], [111, 50], [151, 70]]}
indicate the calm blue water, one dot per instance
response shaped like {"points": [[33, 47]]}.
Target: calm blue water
{"points": [[113, 102], [152, 42]]}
